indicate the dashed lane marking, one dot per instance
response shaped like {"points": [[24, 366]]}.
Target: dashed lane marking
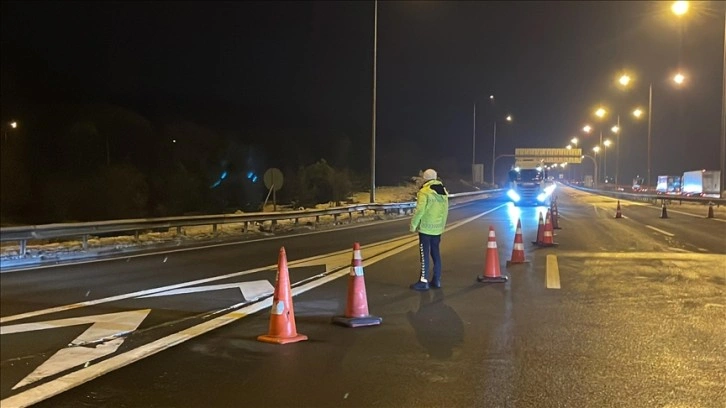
{"points": [[553, 272], [661, 231]]}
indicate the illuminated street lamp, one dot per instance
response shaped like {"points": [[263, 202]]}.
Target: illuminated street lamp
{"points": [[624, 80], [587, 129], [679, 78], [596, 149], [10, 125], [568, 147], [574, 141], [679, 8], [638, 113]]}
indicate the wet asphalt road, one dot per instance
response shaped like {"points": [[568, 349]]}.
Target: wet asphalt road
{"points": [[639, 320]]}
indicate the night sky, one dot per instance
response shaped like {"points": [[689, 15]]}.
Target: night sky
{"points": [[231, 66]]}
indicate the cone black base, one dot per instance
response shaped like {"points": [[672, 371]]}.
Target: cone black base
{"points": [[517, 263], [266, 338], [358, 321], [542, 245], [486, 279]]}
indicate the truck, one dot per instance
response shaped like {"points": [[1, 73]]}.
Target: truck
{"points": [[668, 185], [528, 183], [703, 183]]}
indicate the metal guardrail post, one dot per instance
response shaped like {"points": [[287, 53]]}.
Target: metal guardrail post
{"points": [[23, 246], [85, 242], [214, 230]]}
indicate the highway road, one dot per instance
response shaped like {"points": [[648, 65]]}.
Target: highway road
{"points": [[626, 312]]}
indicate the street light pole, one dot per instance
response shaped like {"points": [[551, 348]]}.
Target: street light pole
{"points": [[494, 150], [373, 120], [650, 120], [723, 110], [617, 154], [604, 152], [473, 143]]}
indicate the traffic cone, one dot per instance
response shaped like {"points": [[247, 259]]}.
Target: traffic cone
{"points": [[555, 217], [710, 210], [356, 311], [491, 263], [518, 249], [663, 211], [548, 239], [540, 231], [618, 213], [282, 316]]}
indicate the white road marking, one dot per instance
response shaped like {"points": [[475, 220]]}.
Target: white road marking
{"points": [[661, 231], [553, 272], [76, 378], [717, 259], [678, 249], [250, 290], [105, 326]]}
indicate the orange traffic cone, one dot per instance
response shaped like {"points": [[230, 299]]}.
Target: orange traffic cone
{"points": [[663, 211], [491, 263], [540, 231], [282, 316], [356, 311], [555, 216], [618, 213], [548, 239], [710, 210], [518, 249]]}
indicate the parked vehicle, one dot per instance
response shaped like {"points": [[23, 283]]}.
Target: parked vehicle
{"points": [[704, 183], [668, 185]]}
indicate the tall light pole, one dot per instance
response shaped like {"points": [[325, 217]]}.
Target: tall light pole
{"points": [[617, 130], [373, 120], [606, 144], [723, 111], [680, 8], [494, 144], [600, 113], [650, 123]]}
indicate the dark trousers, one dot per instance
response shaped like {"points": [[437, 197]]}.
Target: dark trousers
{"points": [[428, 246]]}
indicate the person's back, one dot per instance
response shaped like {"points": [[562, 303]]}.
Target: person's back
{"points": [[430, 218], [432, 211]]}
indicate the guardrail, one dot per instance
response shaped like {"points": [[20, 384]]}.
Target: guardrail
{"points": [[86, 229], [652, 197]]}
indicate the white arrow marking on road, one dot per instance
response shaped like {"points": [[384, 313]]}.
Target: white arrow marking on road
{"points": [[250, 290], [105, 326]]}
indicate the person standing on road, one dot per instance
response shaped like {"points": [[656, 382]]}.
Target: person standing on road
{"points": [[432, 209]]}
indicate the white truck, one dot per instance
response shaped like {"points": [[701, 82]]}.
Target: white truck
{"points": [[704, 183], [528, 183]]}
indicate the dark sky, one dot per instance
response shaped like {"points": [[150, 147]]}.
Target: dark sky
{"points": [[229, 65]]}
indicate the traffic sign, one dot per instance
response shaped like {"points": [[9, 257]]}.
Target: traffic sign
{"points": [[273, 179]]}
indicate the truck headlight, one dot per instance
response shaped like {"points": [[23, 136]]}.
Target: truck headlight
{"points": [[550, 189], [513, 195], [541, 197]]}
